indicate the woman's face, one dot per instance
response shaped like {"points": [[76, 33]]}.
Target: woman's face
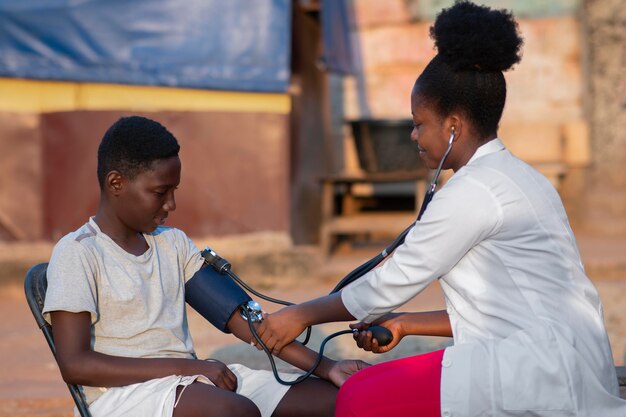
{"points": [[430, 131]]}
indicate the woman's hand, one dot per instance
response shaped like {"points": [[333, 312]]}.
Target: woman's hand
{"points": [[217, 372], [342, 370], [423, 323], [364, 338], [279, 329]]}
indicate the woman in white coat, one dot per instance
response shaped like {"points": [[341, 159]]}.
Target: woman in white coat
{"points": [[529, 338]]}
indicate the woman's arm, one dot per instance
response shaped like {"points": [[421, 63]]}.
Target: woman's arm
{"points": [[427, 323], [79, 364]]}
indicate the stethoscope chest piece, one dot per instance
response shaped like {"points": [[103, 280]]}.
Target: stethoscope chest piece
{"points": [[254, 312]]}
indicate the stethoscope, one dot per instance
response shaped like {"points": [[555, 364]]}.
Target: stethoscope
{"points": [[252, 312]]}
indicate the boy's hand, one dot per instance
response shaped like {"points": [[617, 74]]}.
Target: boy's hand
{"points": [[342, 370], [365, 341], [219, 374], [279, 329]]}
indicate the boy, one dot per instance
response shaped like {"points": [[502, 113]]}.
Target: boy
{"points": [[116, 302]]}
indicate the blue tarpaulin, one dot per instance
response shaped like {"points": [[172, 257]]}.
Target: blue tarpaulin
{"points": [[210, 44], [335, 17]]}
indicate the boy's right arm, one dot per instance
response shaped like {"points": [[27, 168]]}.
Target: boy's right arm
{"points": [[79, 364]]}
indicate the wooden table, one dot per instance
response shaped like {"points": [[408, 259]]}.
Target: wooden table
{"points": [[350, 220]]}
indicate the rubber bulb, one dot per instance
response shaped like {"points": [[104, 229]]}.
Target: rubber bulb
{"points": [[382, 334]]}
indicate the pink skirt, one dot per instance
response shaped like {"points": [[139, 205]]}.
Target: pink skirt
{"points": [[403, 387]]}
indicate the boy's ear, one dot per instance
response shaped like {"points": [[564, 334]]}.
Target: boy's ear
{"points": [[114, 182]]}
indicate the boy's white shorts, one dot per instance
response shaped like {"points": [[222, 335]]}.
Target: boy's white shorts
{"points": [[157, 397]]}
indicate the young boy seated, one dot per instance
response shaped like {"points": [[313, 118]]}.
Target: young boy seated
{"points": [[116, 302]]}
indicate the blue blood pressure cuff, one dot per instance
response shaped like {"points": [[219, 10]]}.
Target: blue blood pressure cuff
{"points": [[214, 296]]}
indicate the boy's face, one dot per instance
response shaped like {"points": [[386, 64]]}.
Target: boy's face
{"points": [[144, 202]]}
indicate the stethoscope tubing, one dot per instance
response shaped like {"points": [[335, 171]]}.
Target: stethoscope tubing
{"points": [[373, 262], [355, 274]]}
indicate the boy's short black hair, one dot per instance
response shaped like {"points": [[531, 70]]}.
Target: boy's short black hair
{"points": [[131, 145]]}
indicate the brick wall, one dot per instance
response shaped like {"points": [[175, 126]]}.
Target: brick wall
{"points": [[547, 119]]}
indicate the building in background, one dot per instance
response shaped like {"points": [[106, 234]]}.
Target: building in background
{"points": [[221, 76], [566, 104], [257, 92]]}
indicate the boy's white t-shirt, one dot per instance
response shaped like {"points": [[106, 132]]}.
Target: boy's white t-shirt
{"points": [[136, 303]]}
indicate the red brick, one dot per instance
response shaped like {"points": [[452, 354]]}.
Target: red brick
{"points": [[397, 45], [377, 12]]}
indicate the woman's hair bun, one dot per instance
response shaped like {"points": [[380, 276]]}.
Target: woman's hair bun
{"points": [[472, 37]]}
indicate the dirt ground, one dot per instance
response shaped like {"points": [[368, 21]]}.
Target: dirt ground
{"points": [[30, 383]]}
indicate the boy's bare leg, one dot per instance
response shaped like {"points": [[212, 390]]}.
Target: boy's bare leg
{"points": [[202, 400], [311, 398]]}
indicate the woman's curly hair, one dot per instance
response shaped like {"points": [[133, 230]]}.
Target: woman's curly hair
{"points": [[471, 37], [475, 44]]}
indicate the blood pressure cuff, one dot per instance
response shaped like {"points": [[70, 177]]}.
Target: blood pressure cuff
{"points": [[215, 296]]}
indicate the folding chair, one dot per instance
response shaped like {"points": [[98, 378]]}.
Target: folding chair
{"points": [[35, 286]]}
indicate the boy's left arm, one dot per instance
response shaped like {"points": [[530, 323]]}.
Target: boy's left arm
{"points": [[301, 356]]}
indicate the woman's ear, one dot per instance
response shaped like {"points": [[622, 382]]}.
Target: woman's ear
{"points": [[454, 124]]}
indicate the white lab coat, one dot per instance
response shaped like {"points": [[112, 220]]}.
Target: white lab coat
{"points": [[529, 337]]}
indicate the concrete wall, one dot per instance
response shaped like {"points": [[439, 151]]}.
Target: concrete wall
{"points": [[234, 149], [604, 205], [234, 178], [21, 176]]}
